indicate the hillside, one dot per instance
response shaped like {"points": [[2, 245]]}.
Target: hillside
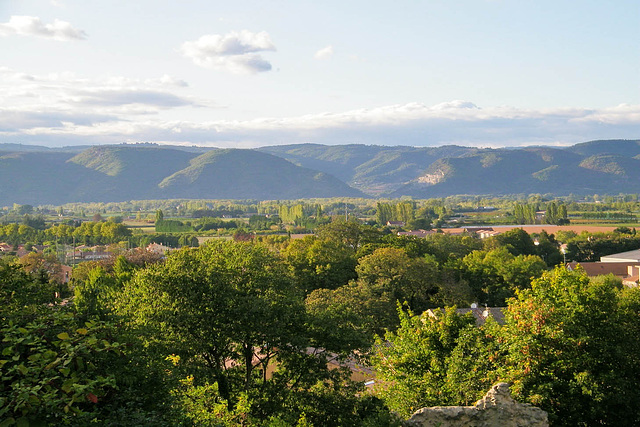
{"points": [[38, 175], [534, 170], [227, 173], [128, 172], [592, 167], [122, 172], [39, 178], [370, 168], [622, 147]]}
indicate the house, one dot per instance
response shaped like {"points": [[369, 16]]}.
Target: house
{"points": [[159, 248], [417, 233], [629, 272], [487, 234], [65, 273], [481, 314], [476, 229], [482, 232], [629, 256], [95, 255], [395, 224]]}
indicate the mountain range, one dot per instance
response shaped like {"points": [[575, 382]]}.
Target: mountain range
{"points": [[41, 175]]}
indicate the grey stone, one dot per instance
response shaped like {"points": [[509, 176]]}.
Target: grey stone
{"points": [[496, 409]]}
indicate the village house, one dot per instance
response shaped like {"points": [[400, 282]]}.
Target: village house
{"points": [[417, 233], [65, 273], [482, 232], [625, 265], [158, 248], [628, 272], [480, 314], [89, 253], [395, 224], [629, 256]]}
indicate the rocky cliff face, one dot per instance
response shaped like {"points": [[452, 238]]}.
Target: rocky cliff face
{"points": [[495, 409]]}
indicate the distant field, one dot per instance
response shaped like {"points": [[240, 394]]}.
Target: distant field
{"points": [[608, 222], [143, 226]]}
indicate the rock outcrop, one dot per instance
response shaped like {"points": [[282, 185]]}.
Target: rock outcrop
{"points": [[495, 409]]}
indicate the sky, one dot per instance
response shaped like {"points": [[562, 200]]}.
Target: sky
{"points": [[241, 73]]}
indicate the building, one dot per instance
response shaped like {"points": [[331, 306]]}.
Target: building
{"points": [[159, 248], [65, 273], [417, 233], [481, 314], [395, 224], [629, 256], [628, 272], [624, 265]]}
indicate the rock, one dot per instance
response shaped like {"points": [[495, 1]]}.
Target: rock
{"points": [[495, 409]]}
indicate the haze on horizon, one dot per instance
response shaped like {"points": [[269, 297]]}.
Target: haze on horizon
{"points": [[254, 73]]}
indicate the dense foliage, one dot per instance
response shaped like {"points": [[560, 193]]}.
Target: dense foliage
{"points": [[569, 345], [265, 330]]}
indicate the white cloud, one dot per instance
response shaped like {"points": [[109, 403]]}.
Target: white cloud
{"points": [[456, 122], [166, 80], [622, 114], [236, 52], [324, 53], [33, 26], [42, 101], [64, 109]]}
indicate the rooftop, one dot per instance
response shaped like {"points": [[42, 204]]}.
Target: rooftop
{"points": [[629, 256]]}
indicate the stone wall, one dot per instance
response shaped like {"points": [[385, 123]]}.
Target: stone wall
{"points": [[496, 408]]}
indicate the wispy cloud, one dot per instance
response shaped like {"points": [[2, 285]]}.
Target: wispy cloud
{"points": [[50, 101], [237, 52], [456, 122], [324, 53], [33, 26], [65, 109]]}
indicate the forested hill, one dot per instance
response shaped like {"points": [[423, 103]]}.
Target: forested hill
{"points": [[39, 175], [131, 172], [610, 166]]}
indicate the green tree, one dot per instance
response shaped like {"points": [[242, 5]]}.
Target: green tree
{"points": [[572, 349], [319, 263], [344, 320], [384, 213], [562, 215], [350, 233], [93, 296], [419, 224], [220, 307], [37, 263], [437, 358], [516, 240], [391, 271], [23, 295], [548, 249], [52, 372], [494, 276]]}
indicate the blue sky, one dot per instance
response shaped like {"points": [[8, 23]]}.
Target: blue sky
{"points": [[252, 73]]}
